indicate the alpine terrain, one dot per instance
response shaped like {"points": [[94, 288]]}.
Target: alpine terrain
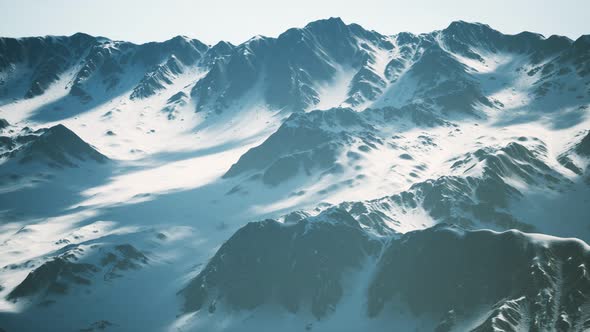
{"points": [[330, 179]]}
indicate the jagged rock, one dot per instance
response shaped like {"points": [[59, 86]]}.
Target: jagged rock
{"points": [[292, 264], [59, 147]]}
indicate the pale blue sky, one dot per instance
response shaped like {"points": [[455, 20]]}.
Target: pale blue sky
{"points": [[237, 21]]}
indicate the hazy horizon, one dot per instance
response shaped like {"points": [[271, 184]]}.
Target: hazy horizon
{"points": [[153, 20]]}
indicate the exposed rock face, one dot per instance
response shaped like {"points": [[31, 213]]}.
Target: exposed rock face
{"points": [[300, 266], [100, 65], [57, 146], [583, 147], [157, 79], [290, 66], [53, 277], [311, 143], [4, 124], [174, 103], [517, 280], [577, 157], [64, 271], [302, 143], [527, 282], [46, 58]]}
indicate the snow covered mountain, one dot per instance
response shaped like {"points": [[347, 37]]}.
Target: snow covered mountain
{"points": [[332, 178], [515, 281], [50, 145]]}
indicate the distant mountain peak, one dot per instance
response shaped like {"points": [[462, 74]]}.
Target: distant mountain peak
{"points": [[332, 21], [469, 31], [222, 46], [460, 24], [582, 43]]}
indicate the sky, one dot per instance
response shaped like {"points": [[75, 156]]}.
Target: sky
{"points": [[236, 21]]}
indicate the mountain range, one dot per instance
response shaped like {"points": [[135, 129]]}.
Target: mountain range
{"points": [[329, 179]]}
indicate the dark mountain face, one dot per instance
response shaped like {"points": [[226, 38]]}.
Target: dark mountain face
{"points": [[4, 124], [289, 67], [174, 103], [100, 65], [472, 201], [461, 37], [579, 55], [157, 79], [583, 147], [303, 143], [108, 63], [56, 146], [456, 91], [468, 38], [299, 266], [63, 272], [445, 272], [43, 60]]}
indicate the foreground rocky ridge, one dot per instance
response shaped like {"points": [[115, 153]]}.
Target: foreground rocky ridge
{"points": [[511, 281]]}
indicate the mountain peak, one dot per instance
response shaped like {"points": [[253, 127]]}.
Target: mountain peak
{"points": [[326, 23], [221, 48], [60, 145], [83, 36], [462, 27], [464, 24], [180, 39], [223, 45], [60, 129], [582, 43]]}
